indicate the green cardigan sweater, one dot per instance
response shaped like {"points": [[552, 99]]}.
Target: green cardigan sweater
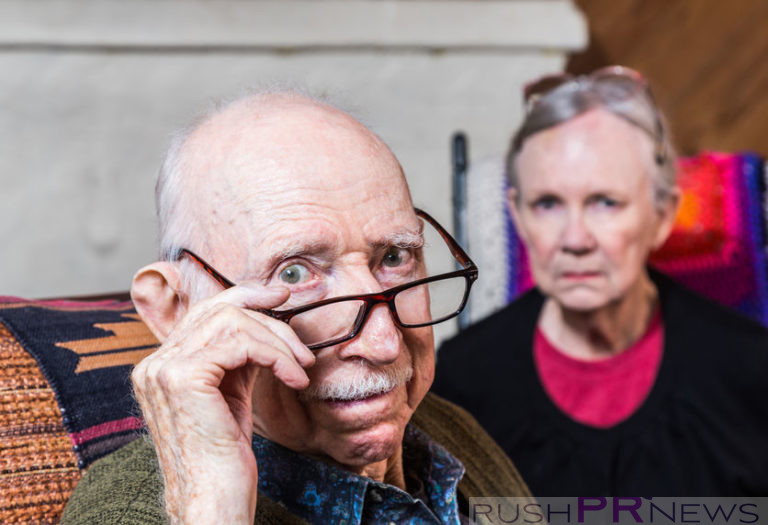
{"points": [[125, 487]]}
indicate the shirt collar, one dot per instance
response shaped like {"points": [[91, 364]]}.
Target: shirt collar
{"points": [[323, 493]]}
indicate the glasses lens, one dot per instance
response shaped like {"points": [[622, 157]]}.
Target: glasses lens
{"points": [[432, 302], [326, 323]]}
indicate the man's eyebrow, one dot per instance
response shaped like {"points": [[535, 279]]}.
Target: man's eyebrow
{"points": [[404, 239], [299, 248], [324, 249]]}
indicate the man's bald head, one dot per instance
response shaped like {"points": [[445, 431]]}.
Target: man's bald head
{"points": [[270, 141]]}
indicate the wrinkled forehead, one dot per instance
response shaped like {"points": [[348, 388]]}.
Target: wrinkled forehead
{"points": [[306, 176], [257, 242], [330, 237]]}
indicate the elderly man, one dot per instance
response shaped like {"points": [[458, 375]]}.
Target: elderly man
{"points": [[269, 398]]}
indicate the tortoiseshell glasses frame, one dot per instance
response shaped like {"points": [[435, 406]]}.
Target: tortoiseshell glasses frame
{"points": [[468, 271]]}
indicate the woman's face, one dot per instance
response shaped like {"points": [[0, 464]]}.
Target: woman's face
{"points": [[585, 209]]}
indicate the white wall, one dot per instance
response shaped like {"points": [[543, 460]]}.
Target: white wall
{"points": [[90, 90]]}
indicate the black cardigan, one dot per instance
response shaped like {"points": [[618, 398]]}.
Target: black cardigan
{"points": [[702, 431]]}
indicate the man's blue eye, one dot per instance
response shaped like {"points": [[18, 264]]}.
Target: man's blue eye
{"points": [[294, 274], [393, 257]]}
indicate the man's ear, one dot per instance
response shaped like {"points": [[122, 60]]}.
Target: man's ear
{"points": [[156, 295]]}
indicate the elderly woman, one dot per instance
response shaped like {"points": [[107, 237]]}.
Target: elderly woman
{"points": [[608, 378]]}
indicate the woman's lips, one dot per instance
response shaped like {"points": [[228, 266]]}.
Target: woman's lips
{"points": [[579, 276]]}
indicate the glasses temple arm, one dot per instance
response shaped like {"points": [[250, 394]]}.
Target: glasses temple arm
{"points": [[453, 246]]}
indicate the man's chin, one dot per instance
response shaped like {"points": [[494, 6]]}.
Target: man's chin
{"points": [[363, 431], [358, 450]]}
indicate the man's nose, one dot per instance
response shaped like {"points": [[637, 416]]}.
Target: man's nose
{"points": [[577, 237], [378, 342]]}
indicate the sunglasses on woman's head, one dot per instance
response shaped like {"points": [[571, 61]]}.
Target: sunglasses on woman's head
{"points": [[611, 84]]}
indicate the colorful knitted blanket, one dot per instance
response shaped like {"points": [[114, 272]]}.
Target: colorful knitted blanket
{"points": [[65, 397]]}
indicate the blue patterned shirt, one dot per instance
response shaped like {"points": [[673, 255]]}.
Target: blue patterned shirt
{"points": [[323, 493]]}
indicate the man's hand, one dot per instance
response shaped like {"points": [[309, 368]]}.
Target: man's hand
{"points": [[195, 393]]}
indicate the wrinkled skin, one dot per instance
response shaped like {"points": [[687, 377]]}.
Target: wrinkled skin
{"points": [[277, 182]]}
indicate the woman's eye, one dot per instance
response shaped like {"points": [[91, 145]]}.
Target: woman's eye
{"points": [[545, 203], [294, 274], [606, 202], [393, 257]]}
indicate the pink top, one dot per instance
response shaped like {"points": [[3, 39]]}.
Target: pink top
{"points": [[606, 392]]}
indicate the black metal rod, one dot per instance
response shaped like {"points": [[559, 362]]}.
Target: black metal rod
{"points": [[459, 180]]}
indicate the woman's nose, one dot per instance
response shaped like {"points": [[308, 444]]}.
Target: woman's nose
{"points": [[577, 237]]}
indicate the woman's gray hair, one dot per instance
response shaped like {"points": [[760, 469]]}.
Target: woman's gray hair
{"points": [[585, 93]]}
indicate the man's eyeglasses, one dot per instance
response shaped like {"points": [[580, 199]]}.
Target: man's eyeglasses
{"points": [[612, 84], [418, 303]]}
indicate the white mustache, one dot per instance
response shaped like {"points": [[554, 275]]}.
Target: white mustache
{"points": [[366, 382]]}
